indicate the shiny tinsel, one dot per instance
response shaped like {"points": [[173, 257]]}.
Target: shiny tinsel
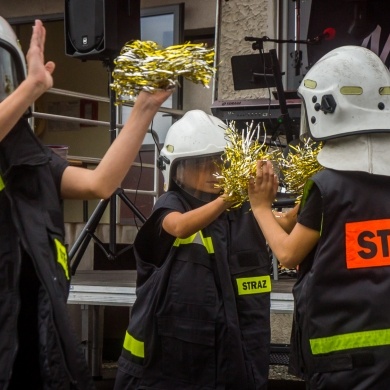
{"points": [[240, 161], [299, 165], [144, 65]]}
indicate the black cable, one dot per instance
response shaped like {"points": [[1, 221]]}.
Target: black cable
{"points": [[137, 188]]}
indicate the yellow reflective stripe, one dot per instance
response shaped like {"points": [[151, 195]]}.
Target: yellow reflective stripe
{"points": [[371, 338], [207, 242], [384, 91], [306, 189], [2, 185], [310, 84], [134, 346], [184, 241], [254, 285], [62, 257], [351, 90]]}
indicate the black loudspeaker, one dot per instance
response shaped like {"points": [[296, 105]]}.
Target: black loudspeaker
{"points": [[98, 29]]}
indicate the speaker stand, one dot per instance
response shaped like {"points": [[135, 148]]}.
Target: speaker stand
{"points": [[79, 247]]}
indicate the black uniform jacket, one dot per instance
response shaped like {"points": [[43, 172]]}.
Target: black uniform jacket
{"points": [[32, 230], [201, 318], [342, 319]]}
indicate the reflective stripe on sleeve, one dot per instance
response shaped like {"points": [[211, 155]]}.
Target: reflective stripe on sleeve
{"points": [[134, 346], [196, 238], [2, 185]]}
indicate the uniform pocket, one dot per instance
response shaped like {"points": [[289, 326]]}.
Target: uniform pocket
{"points": [[253, 305], [188, 350], [184, 290]]}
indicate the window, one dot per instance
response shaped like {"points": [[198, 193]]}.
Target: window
{"points": [[165, 26]]}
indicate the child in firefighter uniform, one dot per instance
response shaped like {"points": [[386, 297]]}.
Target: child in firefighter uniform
{"points": [[341, 332], [201, 319], [38, 348]]}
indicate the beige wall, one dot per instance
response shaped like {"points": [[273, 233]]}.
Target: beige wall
{"points": [[18, 8], [237, 20], [91, 77], [199, 13]]}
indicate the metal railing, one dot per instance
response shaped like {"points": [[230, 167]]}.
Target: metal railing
{"points": [[92, 122]]}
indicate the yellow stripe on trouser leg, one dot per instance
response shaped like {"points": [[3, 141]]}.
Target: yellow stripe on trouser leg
{"points": [[62, 257], [371, 338]]}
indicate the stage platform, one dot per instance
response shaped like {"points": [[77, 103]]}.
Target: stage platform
{"points": [[94, 290], [117, 288]]}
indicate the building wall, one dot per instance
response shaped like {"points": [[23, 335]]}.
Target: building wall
{"points": [[232, 21], [199, 14], [238, 19]]}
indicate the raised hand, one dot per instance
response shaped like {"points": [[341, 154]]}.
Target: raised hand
{"points": [[38, 72], [262, 190]]}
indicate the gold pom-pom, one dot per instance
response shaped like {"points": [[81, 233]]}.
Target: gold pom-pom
{"points": [[144, 65], [239, 161], [299, 165]]}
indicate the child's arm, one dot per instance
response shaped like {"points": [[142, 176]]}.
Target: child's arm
{"points": [[289, 248], [81, 183], [183, 225], [288, 219]]}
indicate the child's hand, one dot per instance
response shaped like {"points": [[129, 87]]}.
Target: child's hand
{"points": [[154, 100], [262, 190], [39, 72], [225, 197]]}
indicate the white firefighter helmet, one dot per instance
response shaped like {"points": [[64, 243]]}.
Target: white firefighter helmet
{"points": [[346, 103], [195, 135], [346, 92], [12, 61]]}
